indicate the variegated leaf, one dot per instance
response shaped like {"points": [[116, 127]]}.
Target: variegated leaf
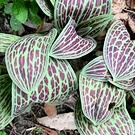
{"points": [[79, 10], [5, 101], [20, 101], [97, 98], [69, 45], [98, 24], [53, 2], [84, 31], [96, 69], [6, 40], [119, 52], [59, 82], [132, 92], [27, 60], [124, 84], [46, 7], [119, 124]]}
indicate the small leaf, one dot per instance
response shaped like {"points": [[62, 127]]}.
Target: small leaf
{"points": [[15, 24], [98, 24], [96, 98], [69, 45], [79, 10], [8, 8], [46, 7], [119, 52], [19, 10], [119, 124], [96, 69], [6, 40]]}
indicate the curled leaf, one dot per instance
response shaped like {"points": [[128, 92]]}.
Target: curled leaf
{"points": [[69, 45], [119, 52], [79, 10], [97, 98], [96, 69], [27, 60], [119, 124]]}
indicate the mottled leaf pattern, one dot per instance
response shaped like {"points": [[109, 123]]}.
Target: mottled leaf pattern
{"points": [[5, 101], [98, 24], [69, 45], [46, 7], [59, 82], [125, 84], [96, 97], [119, 124], [27, 60], [79, 10], [96, 69], [6, 40], [119, 52]]}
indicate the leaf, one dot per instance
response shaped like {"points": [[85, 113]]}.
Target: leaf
{"points": [[8, 8], [46, 7], [19, 10], [119, 124], [15, 24], [84, 31], [124, 84], [50, 110], [79, 10], [98, 24], [96, 69], [5, 101], [132, 92], [60, 122], [119, 52], [96, 98], [53, 2], [27, 60], [58, 83], [69, 45], [6, 40]]}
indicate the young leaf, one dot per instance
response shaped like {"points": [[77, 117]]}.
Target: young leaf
{"points": [[96, 98], [6, 40], [58, 83], [119, 124], [119, 52], [27, 60], [96, 69], [69, 45], [5, 101], [46, 7], [15, 24], [79, 10], [19, 10], [98, 24]]}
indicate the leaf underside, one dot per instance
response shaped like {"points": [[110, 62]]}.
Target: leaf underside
{"points": [[96, 97], [79, 10], [46, 7], [119, 52], [69, 45], [59, 82], [119, 124], [5, 101], [96, 69], [98, 24], [27, 60]]}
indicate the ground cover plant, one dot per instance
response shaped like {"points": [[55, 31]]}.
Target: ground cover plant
{"points": [[37, 67]]}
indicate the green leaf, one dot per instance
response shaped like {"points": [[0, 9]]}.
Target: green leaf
{"points": [[20, 11], [15, 24], [8, 8]]}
